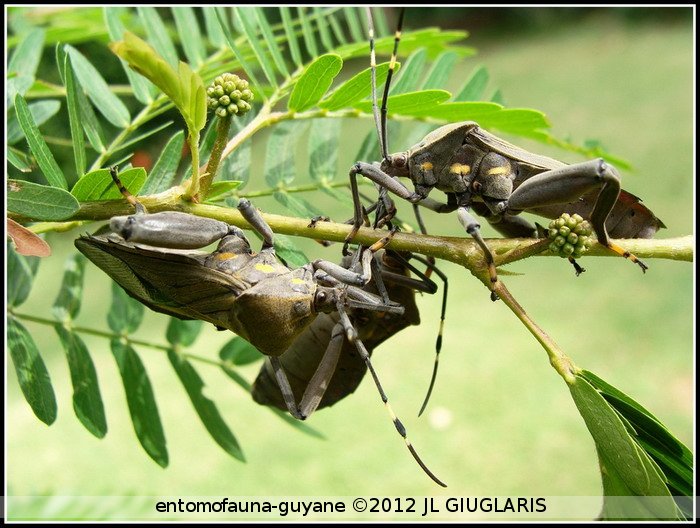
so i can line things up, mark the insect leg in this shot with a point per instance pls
(352, 336)
(313, 394)
(567, 185)
(285, 388)
(257, 222)
(381, 178)
(472, 227)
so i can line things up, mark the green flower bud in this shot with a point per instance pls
(564, 231)
(560, 241)
(229, 95)
(572, 238)
(553, 247)
(567, 249)
(553, 232)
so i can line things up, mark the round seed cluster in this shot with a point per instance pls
(229, 95)
(570, 235)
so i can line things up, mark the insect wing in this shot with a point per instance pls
(628, 219)
(168, 282)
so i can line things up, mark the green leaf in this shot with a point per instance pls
(87, 400)
(298, 206)
(108, 104)
(413, 103)
(206, 409)
(435, 40)
(474, 88)
(125, 313)
(463, 111)
(214, 32)
(18, 159)
(239, 352)
(40, 202)
(88, 119)
(439, 74)
(24, 63)
(314, 82)
(143, 89)
(354, 25)
(183, 333)
(184, 87)
(498, 98)
(98, 184)
(20, 276)
(355, 89)
(190, 36)
(287, 250)
(337, 30)
(624, 465)
(76, 130)
(163, 172)
(516, 120)
(322, 26)
(245, 15)
(621, 503)
(237, 165)
(31, 372)
(280, 167)
(44, 158)
(222, 189)
(270, 41)
(142, 404)
(411, 73)
(674, 458)
(67, 303)
(228, 35)
(41, 112)
(158, 34)
(291, 35)
(324, 142)
(307, 32)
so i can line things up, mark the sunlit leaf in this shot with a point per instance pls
(315, 82)
(98, 184)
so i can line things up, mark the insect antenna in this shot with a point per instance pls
(350, 330)
(114, 172)
(380, 120)
(438, 342)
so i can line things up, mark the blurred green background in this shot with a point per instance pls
(501, 422)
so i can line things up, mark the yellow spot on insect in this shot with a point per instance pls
(460, 168)
(226, 256)
(426, 166)
(297, 281)
(265, 268)
(497, 171)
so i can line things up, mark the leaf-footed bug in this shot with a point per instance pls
(480, 172)
(252, 294)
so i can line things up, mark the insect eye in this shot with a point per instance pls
(476, 186)
(399, 160)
